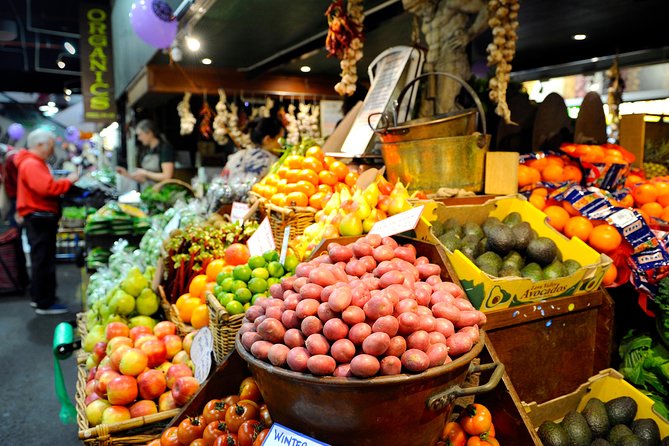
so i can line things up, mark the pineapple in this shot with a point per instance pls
(656, 156)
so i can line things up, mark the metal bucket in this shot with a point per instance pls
(386, 410)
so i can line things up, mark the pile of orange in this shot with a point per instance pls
(307, 180)
(549, 169)
(651, 199)
(604, 154)
(192, 306)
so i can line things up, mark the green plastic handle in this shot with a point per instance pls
(63, 346)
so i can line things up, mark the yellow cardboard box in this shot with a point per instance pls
(489, 293)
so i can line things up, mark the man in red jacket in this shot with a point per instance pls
(38, 205)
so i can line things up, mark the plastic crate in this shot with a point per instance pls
(69, 243)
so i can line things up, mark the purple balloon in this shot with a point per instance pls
(72, 134)
(152, 21)
(16, 131)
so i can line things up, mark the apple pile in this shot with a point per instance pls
(134, 369)
(370, 307)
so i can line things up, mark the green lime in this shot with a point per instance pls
(226, 298)
(291, 262)
(257, 262)
(271, 256)
(242, 272)
(257, 296)
(258, 285)
(275, 269)
(260, 272)
(237, 284)
(234, 307)
(243, 295)
(222, 276)
(272, 280)
(226, 284)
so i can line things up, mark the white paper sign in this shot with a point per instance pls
(238, 211)
(279, 435)
(172, 225)
(200, 353)
(262, 240)
(406, 221)
(284, 245)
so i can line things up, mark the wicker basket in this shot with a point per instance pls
(172, 314)
(131, 432)
(223, 328)
(160, 185)
(297, 217)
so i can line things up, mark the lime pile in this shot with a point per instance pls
(237, 290)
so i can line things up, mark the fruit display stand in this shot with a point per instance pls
(280, 217)
(223, 326)
(172, 313)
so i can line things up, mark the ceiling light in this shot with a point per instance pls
(51, 104)
(206, 61)
(192, 43)
(594, 59)
(305, 68)
(60, 64)
(68, 98)
(67, 91)
(579, 37)
(69, 48)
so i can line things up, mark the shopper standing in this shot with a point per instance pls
(9, 177)
(38, 205)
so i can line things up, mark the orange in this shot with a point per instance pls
(610, 275)
(538, 164)
(293, 175)
(553, 173)
(645, 215)
(665, 214)
(524, 178)
(578, 227)
(308, 175)
(182, 300)
(538, 201)
(604, 238)
(315, 152)
(317, 200)
(339, 169)
(632, 180)
(540, 191)
(554, 160)
(571, 210)
(279, 199)
(653, 209)
(663, 199)
(297, 199)
(328, 160)
(312, 163)
(214, 268)
(324, 187)
(535, 175)
(644, 193)
(197, 286)
(305, 186)
(662, 187)
(628, 201)
(351, 178)
(188, 307)
(327, 177)
(613, 160)
(341, 186)
(572, 173)
(200, 316)
(557, 216)
(282, 171)
(272, 179)
(293, 162)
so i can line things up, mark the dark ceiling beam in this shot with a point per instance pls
(374, 17)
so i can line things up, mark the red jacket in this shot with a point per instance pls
(37, 190)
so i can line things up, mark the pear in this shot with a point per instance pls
(94, 335)
(371, 194)
(398, 205)
(350, 225)
(333, 204)
(147, 302)
(364, 209)
(145, 321)
(375, 216)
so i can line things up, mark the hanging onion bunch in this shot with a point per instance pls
(292, 128)
(344, 41)
(187, 119)
(307, 119)
(220, 129)
(241, 139)
(504, 23)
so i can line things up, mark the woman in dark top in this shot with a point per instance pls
(157, 161)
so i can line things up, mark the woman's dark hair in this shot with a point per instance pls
(147, 125)
(265, 127)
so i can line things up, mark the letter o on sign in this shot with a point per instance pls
(96, 15)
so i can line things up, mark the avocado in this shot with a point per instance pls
(481, 247)
(489, 223)
(514, 259)
(577, 428)
(554, 271)
(617, 432)
(665, 441)
(632, 440)
(452, 224)
(451, 241)
(600, 442)
(470, 251)
(512, 219)
(542, 250)
(501, 240)
(471, 228)
(509, 271)
(595, 414)
(470, 239)
(621, 410)
(571, 266)
(522, 233)
(532, 271)
(437, 228)
(552, 434)
(489, 262)
(648, 430)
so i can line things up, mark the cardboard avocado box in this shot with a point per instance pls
(606, 385)
(488, 293)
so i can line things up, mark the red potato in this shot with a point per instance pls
(409, 322)
(299, 283)
(409, 281)
(311, 325)
(287, 293)
(441, 296)
(383, 267)
(287, 282)
(246, 327)
(276, 291)
(373, 239)
(365, 366)
(293, 338)
(428, 269)
(353, 315)
(359, 332)
(398, 345)
(343, 371)
(422, 310)
(452, 288)
(415, 360)
(292, 301)
(340, 299)
(473, 332)
(260, 349)
(422, 294)
(274, 313)
(459, 344)
(253, 312)
(321, 276)
(391, 295)
(362, 249)
(468, 318)
(289, 319)
(259, 320)
(249, 338)
(335, 329)
(325, 295)
(463, 304)
(418, 340)
(355, 268)
(406, 253)
(437, 354)
(307, 307)
(444, 326)
(339, 253)
(427, 323)
(483, 319)
(321, 259)
(277, 354)
(405, 306)
(338, 272)
(447, 311)
(302, 270)
(390, 365)
(311, 291)
(343, 350)
(422, 260)
(401, 291)
(376, 344)
(271, 302)
(321, 365)
(391, 278)
(433, 280)
(378, 306)
(317, 344)
(297, 359)
(272, 330)
(389, 241)
(325, 313)
(437, 338)
(360, 295)
(369, 263)
(383, 252)
(386, 324)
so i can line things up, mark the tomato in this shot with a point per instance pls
(191, 429)
(249, 390)
(169, 437)
(475, 419)
(237, 254)
(261, 437)
(231, 400)
(197, 442)
(454, 434)
(227, 440)
(482, 441)
(248, 432)
(491, 432)
(212, 431)
(214, 410)
(265, 417)
(244, 410)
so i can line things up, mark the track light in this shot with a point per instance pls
(70, 48)
(192, 43)
(60, 64)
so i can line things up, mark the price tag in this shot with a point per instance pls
(238, 211)
(200, 353)
(172, 224)
(262, 240)
(284, 245)
(406, 221)
(279, 435)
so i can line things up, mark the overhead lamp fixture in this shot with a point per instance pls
(67, 91)
(579, 37)
(594, 59)
(192, 43)
(206, 61)
(68, 98)
(69, 48)
(60, 64)
(51, 104)
(305, 68)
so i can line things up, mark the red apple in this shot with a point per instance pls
(118, 354)
(135, 332)
(90, 386)
(145, 338)
(106, 362)
(164, 367)
(115, 414)
(94, 411)
(117, 342)
(184, 389)
(166, 402)
(177, 371)
(99, 351)
(172, 345)
(164, 328)
(133, 362)
(152, 384)
(188, 341)
(155, 352)
(91, 374)
(101, 369)
(115, 329)
(104, 380)
(181, 358)
(142, 408)
(122, 390)
(92, 397)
